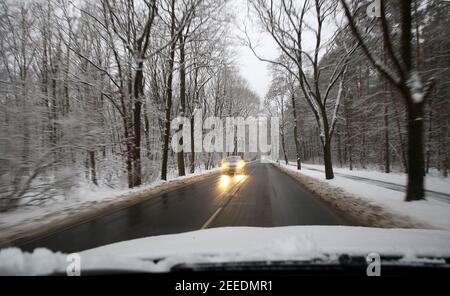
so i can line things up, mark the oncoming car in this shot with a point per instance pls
(233, 165)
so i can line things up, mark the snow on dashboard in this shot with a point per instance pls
(237, 244)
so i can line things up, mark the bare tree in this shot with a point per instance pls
(402, 72)
(285, 21)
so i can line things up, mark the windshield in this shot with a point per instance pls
(233, 158)
(173, 135)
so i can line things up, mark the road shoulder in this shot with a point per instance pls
(49, 223)
(357, 210)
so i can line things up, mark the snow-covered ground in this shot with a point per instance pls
(433, 183)
(240, 244)
(433, 212)
(84, 198)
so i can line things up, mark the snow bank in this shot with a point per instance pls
(428, 213)
(433, 183)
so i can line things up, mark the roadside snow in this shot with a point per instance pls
(84, 199)
(238, 244)
(431, 212)
(84, 196)
(433, 183)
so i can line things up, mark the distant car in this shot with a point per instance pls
(233, 165)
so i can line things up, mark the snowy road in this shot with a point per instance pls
(388, 185)
(263, 197)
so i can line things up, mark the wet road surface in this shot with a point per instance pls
(262, 197)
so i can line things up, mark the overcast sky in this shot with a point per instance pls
(256, 72)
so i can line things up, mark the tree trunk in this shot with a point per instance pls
(180, 155)
(129, 155)
(430, 137)
(415, 153)
(169, 98)
(54, 117)
(147, 133)
(387, 159)
(348, 134)
(283, 145)
(329, 174)
(136, 147)
(195, 103)
(325, 138)
(192, 159)
(283, 133)
(297, 144)
(447, 129)
(92, 167)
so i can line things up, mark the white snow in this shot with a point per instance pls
(40, 262)
(238, 244)
(432, 182)
(431, 211)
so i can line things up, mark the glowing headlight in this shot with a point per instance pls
(241, 164)
(224, 165)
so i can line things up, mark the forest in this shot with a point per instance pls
(88, 89)
(371, 94)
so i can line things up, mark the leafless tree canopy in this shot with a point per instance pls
(377, 89)
(88, 90)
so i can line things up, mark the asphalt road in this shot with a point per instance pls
(262, 197)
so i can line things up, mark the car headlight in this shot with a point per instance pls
(224, 165)
(241, 164)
